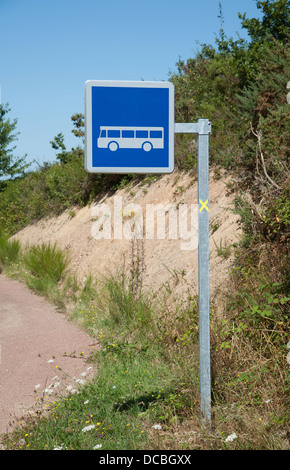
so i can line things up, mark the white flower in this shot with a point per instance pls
(156, 426)
(58, 448)
(88, 428)
(86, 402)
(50, 360)
(98, 446)
(37, 386)
(231, 437)
(80, 381)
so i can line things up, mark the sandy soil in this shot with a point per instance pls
(164, 259)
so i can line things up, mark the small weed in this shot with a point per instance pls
(223, 250)
(214, 225)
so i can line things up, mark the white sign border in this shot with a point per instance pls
(88, 127)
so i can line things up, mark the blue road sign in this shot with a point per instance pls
(129, 127)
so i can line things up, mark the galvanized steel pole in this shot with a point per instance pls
(203, 129)
(203, 271)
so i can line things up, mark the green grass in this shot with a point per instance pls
(9, 251)
(110, 411)
(223, 250)
(148, 374)
(46, 261)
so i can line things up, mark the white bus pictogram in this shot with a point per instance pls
(146, 138)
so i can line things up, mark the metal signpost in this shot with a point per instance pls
(203, 129)
(130, 129)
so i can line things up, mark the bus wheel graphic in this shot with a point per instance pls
(113, 146)
(147, 146)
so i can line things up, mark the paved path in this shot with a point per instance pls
(40, 353)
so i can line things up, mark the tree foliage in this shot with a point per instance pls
(58, 144)
(79, 124)
(64, 156)
(10, 166)
(275, 22)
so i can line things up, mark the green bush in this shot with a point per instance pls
(47, 192)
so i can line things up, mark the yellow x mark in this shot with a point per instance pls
(203, 205)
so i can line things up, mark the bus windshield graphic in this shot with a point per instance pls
(146, 138)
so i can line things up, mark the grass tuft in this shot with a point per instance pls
(47, 262)
(9, 250)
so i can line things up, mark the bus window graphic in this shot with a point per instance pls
(146, 138)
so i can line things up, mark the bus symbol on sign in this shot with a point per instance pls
(129, 127)
(146, 138)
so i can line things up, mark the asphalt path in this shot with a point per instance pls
(43, 356)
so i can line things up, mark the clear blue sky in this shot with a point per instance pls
(49, 48)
